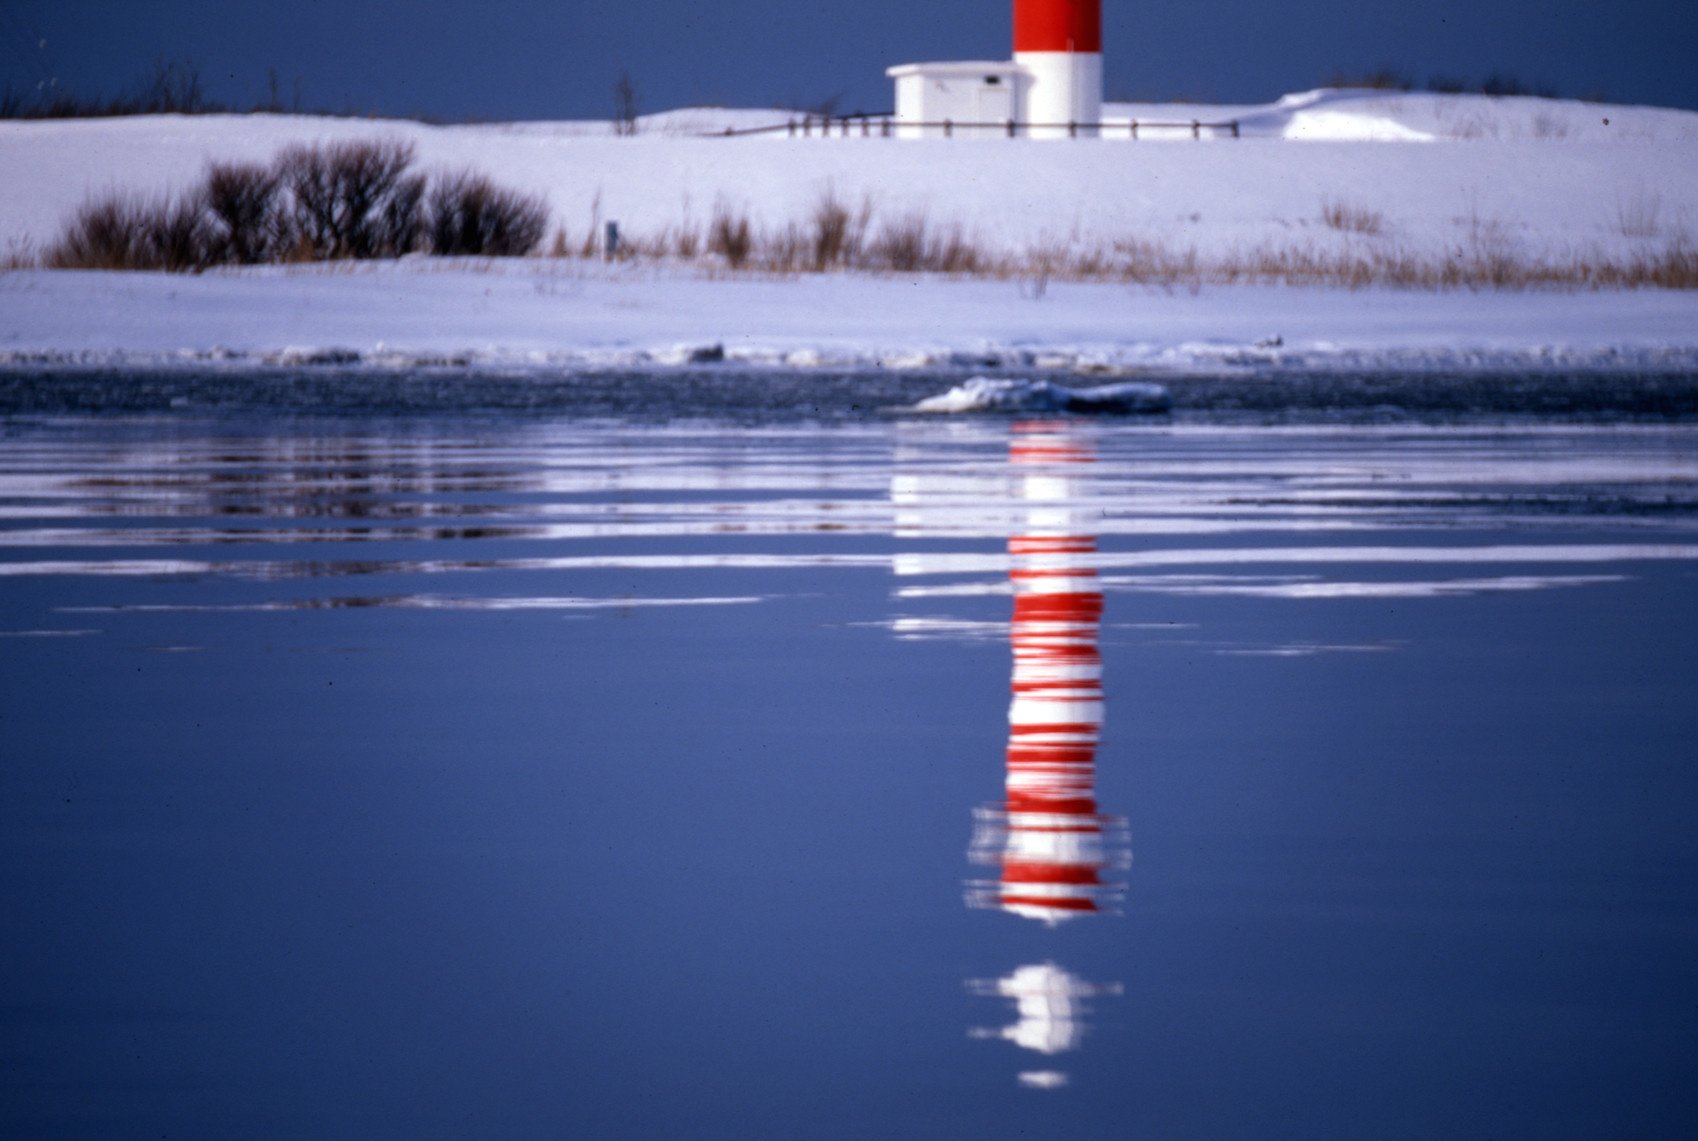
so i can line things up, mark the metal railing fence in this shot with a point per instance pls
(885, 125)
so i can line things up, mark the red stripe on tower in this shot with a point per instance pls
(1058, 26)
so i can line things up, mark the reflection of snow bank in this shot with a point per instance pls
(985, 394)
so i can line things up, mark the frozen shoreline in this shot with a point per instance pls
(577, 315)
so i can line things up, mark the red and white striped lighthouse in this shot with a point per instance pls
(1047, 837)
(1059, 43)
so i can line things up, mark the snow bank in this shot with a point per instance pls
(572, 314)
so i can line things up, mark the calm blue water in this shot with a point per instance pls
(392, 774)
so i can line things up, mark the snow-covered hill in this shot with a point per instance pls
(1544, 177)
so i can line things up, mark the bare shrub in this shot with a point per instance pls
(245, 204)
(352, 199)
(627, 104)
(1351, 219)
(176, 234)
(174, 88)
(401, 220)
(105, 233)
(1380, 79)
(1503, 83)
(730, 236)
(348, 200)
(470, 215)
(123, 232)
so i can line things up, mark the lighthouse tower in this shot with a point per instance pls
(1059, 45)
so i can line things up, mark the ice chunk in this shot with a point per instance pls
(991, 394)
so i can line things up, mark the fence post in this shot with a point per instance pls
(1134, 129)
(1235, 128)
(1072, 129)
(1196, 129)
(1011, 128)
(948, 129)
(884, 128)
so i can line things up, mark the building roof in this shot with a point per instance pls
(955, 67)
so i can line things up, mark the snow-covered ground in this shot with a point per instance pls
(1535, 178)
(575, 314)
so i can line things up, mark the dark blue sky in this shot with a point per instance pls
(529, 59)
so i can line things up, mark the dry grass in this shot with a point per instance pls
(908, 244)
(1352, 219)
(1636, 217)
(731, 236)
(687, 242)
(205, 227)
(1486, 257)
(839, 236)
(19, 255)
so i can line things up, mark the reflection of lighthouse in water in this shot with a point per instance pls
(1048, 839)
(1050, 1009)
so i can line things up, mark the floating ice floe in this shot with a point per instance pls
(988, 394)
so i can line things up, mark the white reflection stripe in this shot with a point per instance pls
(1381, 589)
(110, 567)
(911, 563)
(905, 564)
(413, 602)
(311, 569)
